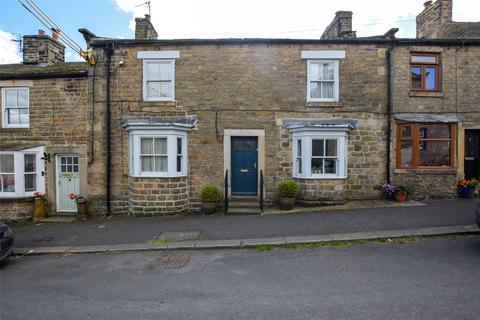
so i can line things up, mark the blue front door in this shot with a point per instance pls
(244, 165)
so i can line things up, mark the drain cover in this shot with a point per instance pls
(172, 261)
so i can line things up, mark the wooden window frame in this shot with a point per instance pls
(414, 138)
(423, 66)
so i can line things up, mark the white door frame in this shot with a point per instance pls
(57, 175)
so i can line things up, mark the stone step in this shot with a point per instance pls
(243, 199)
(242, 211)
(244, 204)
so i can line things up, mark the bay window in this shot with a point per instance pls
(320, 154)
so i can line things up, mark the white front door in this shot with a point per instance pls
(68, 181)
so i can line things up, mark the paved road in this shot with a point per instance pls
(430, 279)
(124, 230)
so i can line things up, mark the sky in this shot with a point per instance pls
(176, 19)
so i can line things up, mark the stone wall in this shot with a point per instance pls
(153, 196)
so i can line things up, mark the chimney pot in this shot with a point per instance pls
(41, 32)
(55, 34)
(427, 4)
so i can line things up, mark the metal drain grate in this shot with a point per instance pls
(172, 261)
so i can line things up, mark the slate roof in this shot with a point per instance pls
(41, 71)
(319, 123)
(460, 30)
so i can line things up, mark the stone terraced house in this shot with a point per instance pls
(156, 120)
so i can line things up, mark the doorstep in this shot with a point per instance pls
(350, 205)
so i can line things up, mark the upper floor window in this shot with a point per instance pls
(21, 172)
(425, 145)
(158, 74)
(323, 75)
(15, 105)
(322, 80)
(158, 80)
(425, 71)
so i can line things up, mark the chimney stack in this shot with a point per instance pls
(144, 29)
(42, 49)
(434, 15)
(340, 27)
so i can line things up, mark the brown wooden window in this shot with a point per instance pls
(425, 71)
(425, 145)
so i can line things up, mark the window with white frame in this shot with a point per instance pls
(323, 84)
(158, 81)
(320, 154)
(15, 107)
(158, 153)
(21, 172)
(158, 74)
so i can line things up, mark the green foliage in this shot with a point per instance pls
(211, 194)
(288, 189)
(264, 248)
(403, 190)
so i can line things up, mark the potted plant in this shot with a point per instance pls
(39, 213)
(210, 197)
(81, 204)
(401, 193)
(388, 190)
(466, 188)
(288, 191)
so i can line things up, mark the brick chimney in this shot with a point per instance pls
(340, 27)
(42, 49)
(433, 16)
(144, 28)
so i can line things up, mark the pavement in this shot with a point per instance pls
(430, 278)
(435, 217)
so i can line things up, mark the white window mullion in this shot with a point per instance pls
(172, 155)
(19, 174)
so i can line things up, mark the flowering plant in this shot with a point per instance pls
(403, 190)
(75, 197)
(388, 189)
(467, 184)
(38, 194)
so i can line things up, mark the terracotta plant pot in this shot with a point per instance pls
(286, 203)
(208, 207)
(466, 193)
(39, 213)
(400, 197)
(82, 208)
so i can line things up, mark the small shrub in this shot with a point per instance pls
(211, 194)
(403, 190)
(288, 189)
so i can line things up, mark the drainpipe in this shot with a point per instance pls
(389, 108)
(108, 53)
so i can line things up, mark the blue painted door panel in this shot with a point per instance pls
(244, 165)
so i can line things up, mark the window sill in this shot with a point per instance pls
(320, 178)
(159, 176)
(161, 103)
(17, 199)
(15, 129)
(323, 104)
(426, 94)
(427, 171)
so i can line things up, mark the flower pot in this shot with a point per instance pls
(208, 207)
(39, 212)
(400, 197)
(286, 203)
(466, 193)
(82, 208)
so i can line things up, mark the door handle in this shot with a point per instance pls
(255, 165)
(243, 170)
(469, 158)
